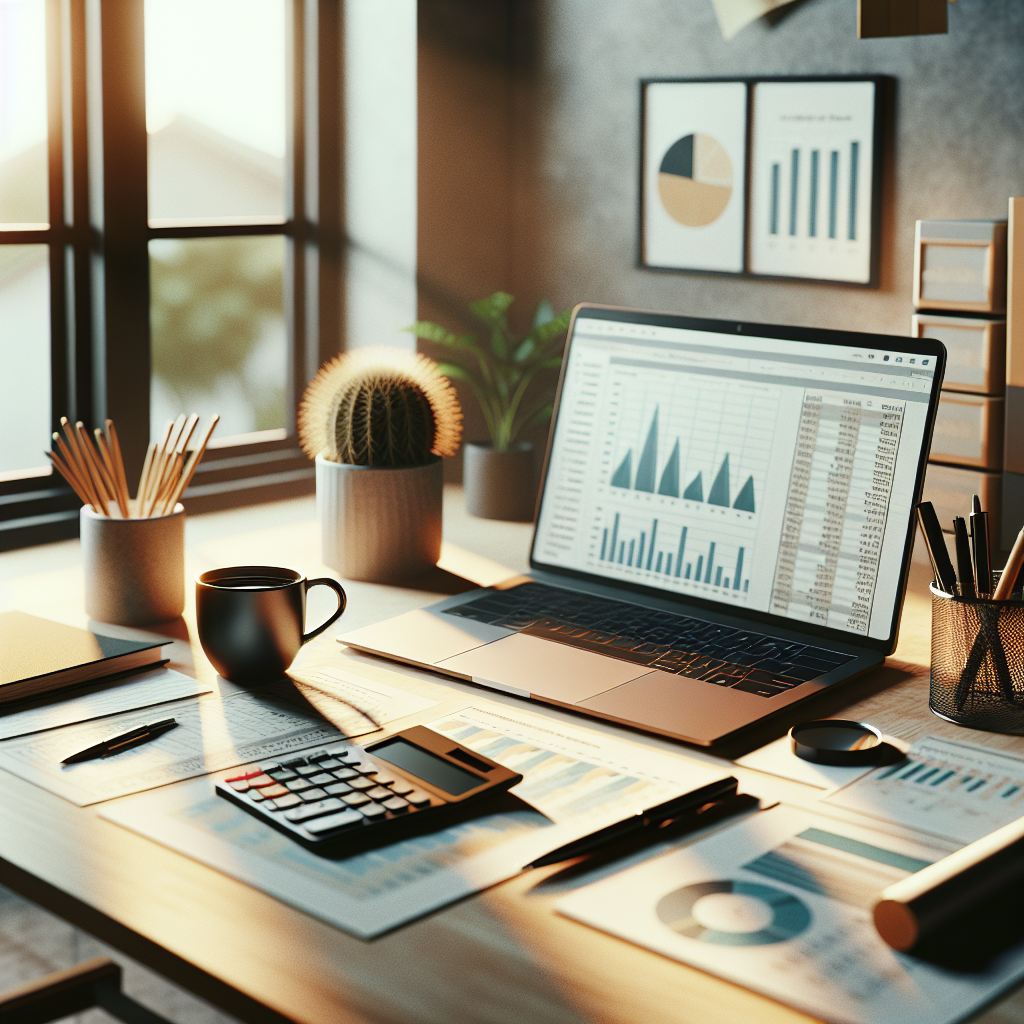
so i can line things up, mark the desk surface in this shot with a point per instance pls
(501, 956)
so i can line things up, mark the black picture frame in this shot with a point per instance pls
(882, 88)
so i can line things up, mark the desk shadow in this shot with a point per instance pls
(174, 629)
(440, 581)
(832, 702)
(995, 927)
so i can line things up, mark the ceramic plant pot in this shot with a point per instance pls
(500, 485)
(379, 525)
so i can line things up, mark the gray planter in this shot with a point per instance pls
(500, 485)
(134, 568)
(379, 525)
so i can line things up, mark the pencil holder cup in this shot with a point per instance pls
(134, 568)
(977, 675)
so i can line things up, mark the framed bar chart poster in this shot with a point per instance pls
(815, 179)
(693, 178)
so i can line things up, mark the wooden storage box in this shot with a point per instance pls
(976, 350)
(969, 431)
(960, 264)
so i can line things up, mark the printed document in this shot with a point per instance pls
(781, 903)
(143, 690)
(946, 788)
(579, 778)
(369, 701)
(211, 734)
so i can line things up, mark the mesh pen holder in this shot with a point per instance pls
(977, 675)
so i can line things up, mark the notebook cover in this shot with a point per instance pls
(32, 649)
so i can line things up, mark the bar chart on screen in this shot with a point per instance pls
(711, 554)
(684, 461)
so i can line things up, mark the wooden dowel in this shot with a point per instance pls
(193, 462)
(186, 434)
(1010, 570)
(156, 465)
(71, 476)
(77, 460)
(92, 460)
(113, 479)
(115, 451)
(160, 506)
(144, 477)
(68, 462)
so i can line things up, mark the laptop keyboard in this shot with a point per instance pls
(722, 655)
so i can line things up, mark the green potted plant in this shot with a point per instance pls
(378, 422)
(499, 477)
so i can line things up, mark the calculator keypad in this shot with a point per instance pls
(323, 794)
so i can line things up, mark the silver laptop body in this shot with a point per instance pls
(724, 525)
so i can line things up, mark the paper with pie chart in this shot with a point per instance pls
(781, 903)
(694, 175)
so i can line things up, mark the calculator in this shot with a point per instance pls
(344, 798)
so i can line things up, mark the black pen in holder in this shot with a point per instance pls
(977, 673)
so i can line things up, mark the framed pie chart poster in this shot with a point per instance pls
(693, 193)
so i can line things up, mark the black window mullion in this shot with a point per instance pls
(118, 213)
(295, 208)
(55, 73)
(324, 183)
(78, 232)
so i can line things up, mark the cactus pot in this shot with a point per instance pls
(500, 485)
(379, 525)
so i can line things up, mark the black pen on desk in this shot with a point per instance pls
(945, 576)
(982, 556)
(114, 745)
(964, 566)
(651, 820)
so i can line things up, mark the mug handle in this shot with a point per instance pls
(342, 602)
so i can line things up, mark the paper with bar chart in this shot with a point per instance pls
(577, 780)
(951, 789)
(812, 170)
(684, 462)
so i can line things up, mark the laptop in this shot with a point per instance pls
(724, 526)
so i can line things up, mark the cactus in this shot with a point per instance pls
(385, 408)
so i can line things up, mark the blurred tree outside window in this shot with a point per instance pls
(218, 331)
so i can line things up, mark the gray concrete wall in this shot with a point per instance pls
(956, 144)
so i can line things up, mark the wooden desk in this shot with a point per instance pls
(502, 956)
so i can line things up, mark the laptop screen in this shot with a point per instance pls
(722, 462)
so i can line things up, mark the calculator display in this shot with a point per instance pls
(428, 767)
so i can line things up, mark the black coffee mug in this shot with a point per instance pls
(251, 619)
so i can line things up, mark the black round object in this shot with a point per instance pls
(837, 742)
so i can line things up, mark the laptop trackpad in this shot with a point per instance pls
(542, 668)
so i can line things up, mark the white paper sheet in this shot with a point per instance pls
(147, 689)
(372, 702)
(212, 734)
(946, 788)
(735, 15)
(780, 903)
(778, 759)
(581, 778)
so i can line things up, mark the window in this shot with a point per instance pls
(170, 235)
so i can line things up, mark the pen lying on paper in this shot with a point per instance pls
(643, 821)
(114, 745)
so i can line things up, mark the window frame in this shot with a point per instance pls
(99, 235)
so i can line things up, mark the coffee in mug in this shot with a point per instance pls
(252, 618)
